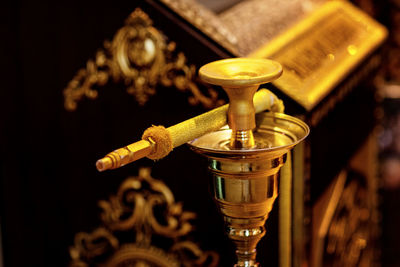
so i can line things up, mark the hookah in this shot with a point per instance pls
(244, 158)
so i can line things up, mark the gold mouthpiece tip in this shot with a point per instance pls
(103, 164)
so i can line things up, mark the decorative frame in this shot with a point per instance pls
(139, 56)
(142, 213)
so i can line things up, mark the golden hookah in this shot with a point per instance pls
(244, 159)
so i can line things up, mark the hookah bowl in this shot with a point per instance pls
(245, 158)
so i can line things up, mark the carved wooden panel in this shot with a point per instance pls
(143, 209)
(142, 58)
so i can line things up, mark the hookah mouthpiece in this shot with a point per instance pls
(240, 78)
(159, 141)
(245, 160)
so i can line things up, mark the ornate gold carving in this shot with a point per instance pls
(344, 227)
(319, 52)
(142, 209)
(140, 57)
(349, 232)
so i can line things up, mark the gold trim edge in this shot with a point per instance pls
(364, 36)
(141, 57)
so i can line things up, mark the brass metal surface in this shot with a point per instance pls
(125, 155)
(275, 134)
(240, 78)
(245, 183)
(240, 72)
(141, 57)
(245, 176)
(131, 213)
(300, 216)
(184, 132)
(318, 52)
(285, 213)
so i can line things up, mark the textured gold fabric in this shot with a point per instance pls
(162, 139)
(166, 139)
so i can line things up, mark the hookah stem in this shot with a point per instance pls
(158, 141)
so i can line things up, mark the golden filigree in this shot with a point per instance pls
(143, 207)
(133, 208)
(140, 57)
(349, 233)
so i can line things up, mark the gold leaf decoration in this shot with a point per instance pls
(143, 208)
(349, 237)
(141, 58)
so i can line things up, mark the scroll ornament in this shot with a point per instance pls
(141, 58)
(142, 213)
(351, 233)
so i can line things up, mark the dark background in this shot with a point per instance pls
(49, 184)
(49, 187)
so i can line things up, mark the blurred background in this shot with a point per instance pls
(49, 187)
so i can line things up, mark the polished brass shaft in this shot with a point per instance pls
(241, 115)
(245, 173)
(245, 191)
(125, 155)
(184, 132)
